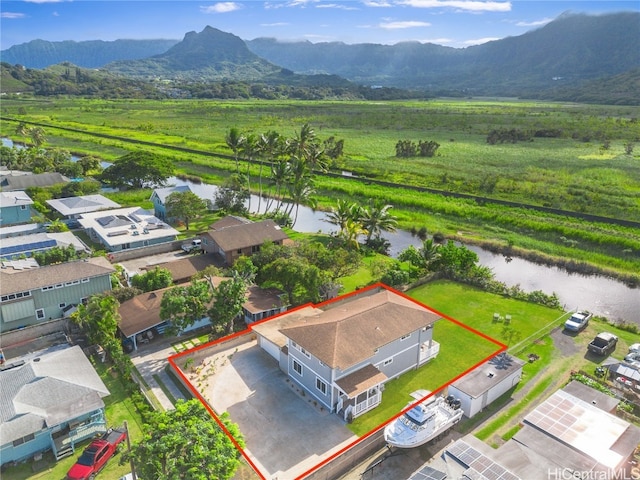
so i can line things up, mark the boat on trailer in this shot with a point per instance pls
(428, 419)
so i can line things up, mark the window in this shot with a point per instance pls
(255, 249)
(84, 300)
(25, 439)
(40, 313)
(297, 367)
(320, 385)
(23, 207)
(59, 285)
(44, 289)
(85, 280)
(404, 337)
(304, 352)
(388, 361)
(62, 305)
(74, 282)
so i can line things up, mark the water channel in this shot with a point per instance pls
(601, 295)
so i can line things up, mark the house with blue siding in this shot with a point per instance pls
(125, 228)
(343, 351)
(159, 199)
(49, 400)
(15, 208)
(29, 296)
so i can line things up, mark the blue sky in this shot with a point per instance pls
(455, 23)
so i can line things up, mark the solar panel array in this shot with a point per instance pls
(558, 416)
(428, 473)
(479, 466)
(26, 247)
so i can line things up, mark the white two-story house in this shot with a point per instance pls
(343, 351)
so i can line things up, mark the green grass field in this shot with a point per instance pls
(586, 168)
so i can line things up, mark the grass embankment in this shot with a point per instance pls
(575, 171)
(119, 407)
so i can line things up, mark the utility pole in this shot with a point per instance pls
(133, 467)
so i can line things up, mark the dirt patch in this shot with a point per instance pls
(564, 342)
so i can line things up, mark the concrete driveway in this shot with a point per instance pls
(285, 434)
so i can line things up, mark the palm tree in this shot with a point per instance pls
(280, 173)
(234, 140)
(249, 147)
(267, 145)
(376, 219)
(340, 215)
(352, 230)
(37, 136)
(300, 191)
(429, 252)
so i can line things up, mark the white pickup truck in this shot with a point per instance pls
(578, 321)
(193, 245)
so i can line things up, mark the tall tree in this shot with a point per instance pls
(137, 169)
(152, 280)
(99, 318)
(229, 296)
(185, 206)
(234, 141)
(342, 213)
(182, 306)
(187, 444)
(249, 148)
(376, 218)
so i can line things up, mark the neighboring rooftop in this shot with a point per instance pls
(484, 377)
(22, 182)
(124, 225)
(70, 206)
(231, 233)
(182, 270)
(141, 312)
(13, 199)
(163, 193)
(13, 280)
(28, 244)
(45, 389)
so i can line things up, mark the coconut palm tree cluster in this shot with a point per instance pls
(356, 222)
(290, 165)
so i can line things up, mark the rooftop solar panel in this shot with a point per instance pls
(428, 473)
(479, 466)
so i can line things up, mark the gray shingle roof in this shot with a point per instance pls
(23, 182)
(19, 281)
(50, 388)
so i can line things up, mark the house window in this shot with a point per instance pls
(85, 280)
(40, 313)
(23, 207)
(25, 439)
(44, 289)
(239, 252)
(404, 337)
(84, 300)
(297, 367)
(255, 249)
(62, 305)
(320, 385)
(59, 285)
(304, 352)
(388, 361)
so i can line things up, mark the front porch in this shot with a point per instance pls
(428, 351)
(64, 441)
(360, 392)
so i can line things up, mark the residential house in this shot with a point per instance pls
(572, 434)
(15, 208)
(159, 199)
(18, 230)
(263, 303)
(34, 295)
(38, 242)
(231, 237)
(343, 351)
(10, 182)
(49, 400)
(72, 207)
(183, 269)
(484, 384)
(126, 228)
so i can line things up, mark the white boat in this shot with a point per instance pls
(428, 419)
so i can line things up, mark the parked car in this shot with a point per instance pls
(193, 245)
(96, 455)
(603, 344)
(578, 321)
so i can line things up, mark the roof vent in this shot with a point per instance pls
(490, 375)
(37, 359)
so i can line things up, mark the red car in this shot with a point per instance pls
(95, 456)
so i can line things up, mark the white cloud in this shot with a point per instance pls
(480, 41)
(12, 15)
(55, 14)
(277, 24)
(377, 3)
(535, 23)
(466, 5)
(437, 41)
(221, 7)
(336, 6)
(405, 24)
(44, 1)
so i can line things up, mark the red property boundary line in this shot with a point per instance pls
(173, 358)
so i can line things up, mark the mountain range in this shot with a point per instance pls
(565, 53)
